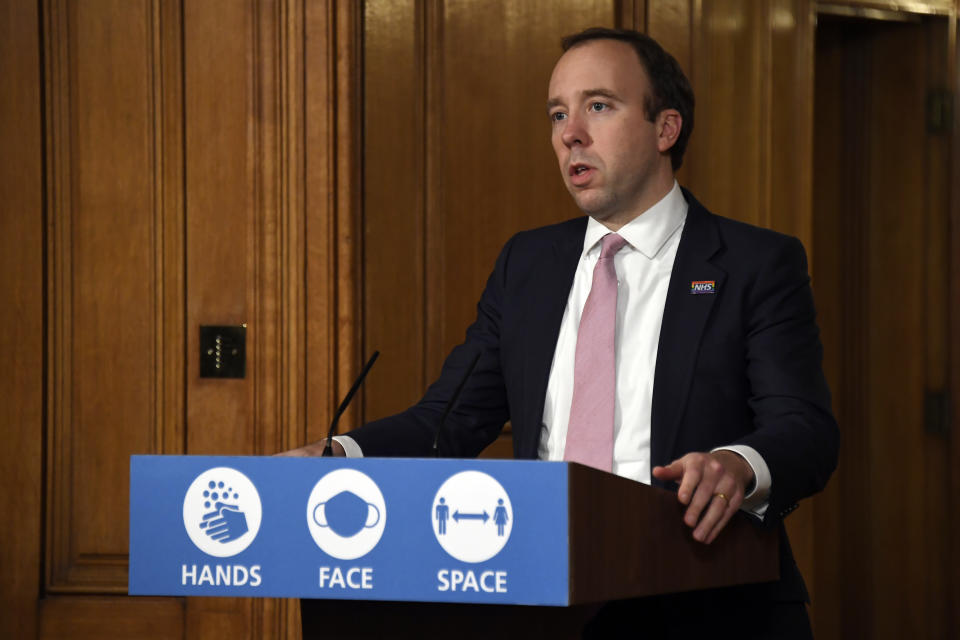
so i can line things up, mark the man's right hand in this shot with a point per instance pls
(314, 450)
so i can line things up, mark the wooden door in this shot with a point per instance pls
(882, 197)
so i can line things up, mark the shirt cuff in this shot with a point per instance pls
(350, 446)
(757, 501)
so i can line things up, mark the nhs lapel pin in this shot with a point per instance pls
(700, 287)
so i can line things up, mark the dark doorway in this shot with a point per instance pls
(881, 221)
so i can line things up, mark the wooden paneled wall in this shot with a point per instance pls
(108, 284)
(339, 176)
(457, 159)
(750, 153)
(177, 164)
(21, 317)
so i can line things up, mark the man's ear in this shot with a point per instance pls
(669, 125)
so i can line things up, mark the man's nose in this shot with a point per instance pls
(575, 133)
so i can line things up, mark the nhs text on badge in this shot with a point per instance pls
(698, 287)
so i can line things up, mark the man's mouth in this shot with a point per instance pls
(580, 174)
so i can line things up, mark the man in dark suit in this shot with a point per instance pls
(649, 338)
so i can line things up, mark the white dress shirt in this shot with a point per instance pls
(643, 269)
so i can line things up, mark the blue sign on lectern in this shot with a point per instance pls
(481, 531)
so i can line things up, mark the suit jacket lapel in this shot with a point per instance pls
(684, 319)
(546, 300)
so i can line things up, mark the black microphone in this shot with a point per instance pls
(453, 401)
(328, 450)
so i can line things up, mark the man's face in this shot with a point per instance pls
(610, 155)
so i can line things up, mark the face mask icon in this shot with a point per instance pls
(346, 514)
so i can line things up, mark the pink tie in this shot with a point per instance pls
(590, 430)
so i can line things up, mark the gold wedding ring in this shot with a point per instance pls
(722, 495)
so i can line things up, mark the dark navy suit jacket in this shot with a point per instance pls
(741, 365)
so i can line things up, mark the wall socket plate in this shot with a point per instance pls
(223, 351)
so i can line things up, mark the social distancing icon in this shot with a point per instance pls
(472, 516)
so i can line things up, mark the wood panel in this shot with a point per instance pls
(394, 166)
(332, 225)
(291, 201)
(333, 221)
(21, 316)
(895, 180)
(263, 224)
(750, 64)
(223, 184)
(838, 291)
(751, 67)
(881, 189)
(346, 51)
(728, 152)
(135, 131)
(790, 75)
(169, 195)
(457, 160)
(112, 304)
(924, 534)
(937, 576)
(72, 617)
(669, 22)
(178, 192)
(632, 14)
(226, 127)
(881, 9)
(895, 386)
(491, 170)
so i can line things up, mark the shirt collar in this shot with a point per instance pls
(648, 232)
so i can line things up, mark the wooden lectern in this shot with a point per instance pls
(626, 540)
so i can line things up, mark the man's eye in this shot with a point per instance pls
(597, 106)
(558, 116)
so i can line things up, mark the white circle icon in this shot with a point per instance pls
(222, 512)
(472, 516)
(346, 514)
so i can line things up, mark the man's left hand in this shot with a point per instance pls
(314, 450)
(712, 485)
